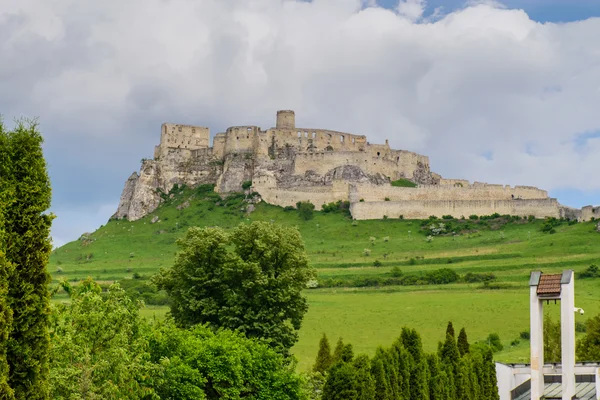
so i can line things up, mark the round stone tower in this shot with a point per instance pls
(286, 119)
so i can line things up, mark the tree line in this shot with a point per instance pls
(405, 372)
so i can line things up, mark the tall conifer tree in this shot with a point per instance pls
(450, 330)
(463, 343)
(5, 267)
(337, 352)
(28, 246)
(364, 378)
(323, 361)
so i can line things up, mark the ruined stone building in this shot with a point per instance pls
(287, 164)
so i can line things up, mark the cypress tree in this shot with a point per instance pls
(491, 385)
(28, 246)
(347, 353)
(437, 379)
(382, 384)
(5, 269)
(341, 383)
(419, 388)
(450, 330)
(337, 352)
(364, 379)
(323, 361)
(463, 343)
(403, 364)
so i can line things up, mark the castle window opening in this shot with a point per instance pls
(342, 139)
(314, 135)
(353, 141)
(299, 134)
(249, 129)
(378, 154)
(305, 134)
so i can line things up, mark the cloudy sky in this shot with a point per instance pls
(503, 92)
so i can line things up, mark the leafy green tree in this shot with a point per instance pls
(249, 280)
(552, 344)
(341, 383)
(198, 363)
(305, 209)
(463, 343)
(99, 346)
(588, 347)
(323, 361)
(26, 242)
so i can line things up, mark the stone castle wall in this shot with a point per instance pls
(176, 136)
(371, 193)
(422, 209)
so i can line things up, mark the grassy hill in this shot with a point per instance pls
(359, 262)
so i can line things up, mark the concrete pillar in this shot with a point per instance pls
(536, 332)
(597, 383)
(567, 331)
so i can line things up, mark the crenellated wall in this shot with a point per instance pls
(422, 209)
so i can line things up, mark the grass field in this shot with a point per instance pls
(365, 317)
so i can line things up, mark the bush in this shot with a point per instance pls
(305, 209)
(412, 261)
(524, 335)
(580, 327)
(403, 183)
(246, 185)
(387, 199)
(366, 252)
(515, 342)
(447, 217)
(377, 263)
(590, 272)
(343, 206)
(442, 276)
(396, 272)
(471, 277)
(473, 217)
(493, 341)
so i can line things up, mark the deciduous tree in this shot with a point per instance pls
(249, 280)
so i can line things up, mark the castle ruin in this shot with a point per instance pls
(287, 164)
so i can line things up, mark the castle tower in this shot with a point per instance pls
(286, 119)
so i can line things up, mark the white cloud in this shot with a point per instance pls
(479, 80)
(411, 9)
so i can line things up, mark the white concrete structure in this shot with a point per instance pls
(565, 380)
(546, 287)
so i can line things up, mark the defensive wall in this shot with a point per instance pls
(422, 209)
(589, 212)
(370, 193)
(317, 195)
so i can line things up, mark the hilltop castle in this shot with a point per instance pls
(287, 164)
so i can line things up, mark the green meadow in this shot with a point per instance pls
(373, 315)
